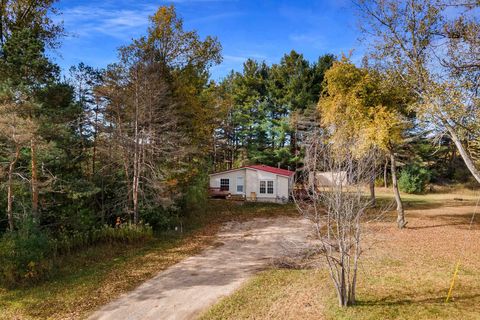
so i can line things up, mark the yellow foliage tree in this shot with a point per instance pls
(362, 106)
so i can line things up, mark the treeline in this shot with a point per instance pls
(114, 154)
(103, 155)
(103, 143)
(136, 140)
(266, 111)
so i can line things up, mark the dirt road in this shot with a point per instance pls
(186, 289)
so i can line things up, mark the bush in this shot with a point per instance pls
(192, 205)
(195, 201)
(161, 219)
(24, 256)
(125, 233)
(29, 254)
(414, 179)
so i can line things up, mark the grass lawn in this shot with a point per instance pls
(405, 274)
(97, 275)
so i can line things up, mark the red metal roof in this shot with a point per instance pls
(262, 167)
(274, 170)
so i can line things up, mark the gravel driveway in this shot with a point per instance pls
(186, 289)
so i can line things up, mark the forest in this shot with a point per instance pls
(121, 154)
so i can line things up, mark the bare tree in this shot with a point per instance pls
(155, 110)
(433, 47)
(337, 209)
(15, 133)
(144, 128)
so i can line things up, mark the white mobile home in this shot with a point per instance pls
(329, 178)
(255, 183)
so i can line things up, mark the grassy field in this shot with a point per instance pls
(405, 274)
(97, 275)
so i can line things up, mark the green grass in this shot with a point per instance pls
(96, 275)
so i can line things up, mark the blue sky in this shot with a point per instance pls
(263, 30)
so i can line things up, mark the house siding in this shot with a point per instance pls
(232, 176)
(283, 187)
(251, 180)
(252, 183)
(267, 176)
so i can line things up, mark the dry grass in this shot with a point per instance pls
(455, 197)
(97, 275)
(404, 275)
(275, 294)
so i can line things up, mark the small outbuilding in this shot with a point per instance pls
(254, 183)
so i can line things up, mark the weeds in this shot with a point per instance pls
(29, 255)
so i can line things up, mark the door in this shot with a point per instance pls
(240, 185)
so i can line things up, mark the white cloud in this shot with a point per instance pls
(213, 17)
(119, 23)
(111, 19)
(317, 41)
(232, 58)
(244, 56)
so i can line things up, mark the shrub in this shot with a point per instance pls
(413, 179)
(161, 219)
(191, 207)
(28, 254)
(24, 255)
(125, 233)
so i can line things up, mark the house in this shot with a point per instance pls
(329, 178)
(254, 183)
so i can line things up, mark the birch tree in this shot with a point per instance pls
(433, 47)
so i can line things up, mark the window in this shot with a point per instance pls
(262, 186)
(270, 187)
(266, 187)
(224, 184)
(240, 184)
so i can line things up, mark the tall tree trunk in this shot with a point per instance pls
(373, 177)
(400, 212)
(232, 155)
(2, 18)
(95, 133)
(102, 202)
(463, 153)
(34, 181)
(125, 150)
(136, 161)
(11, 168)
(94, 155)
(373, 200)
(293, 142)
(214, 153)
(385, 173)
